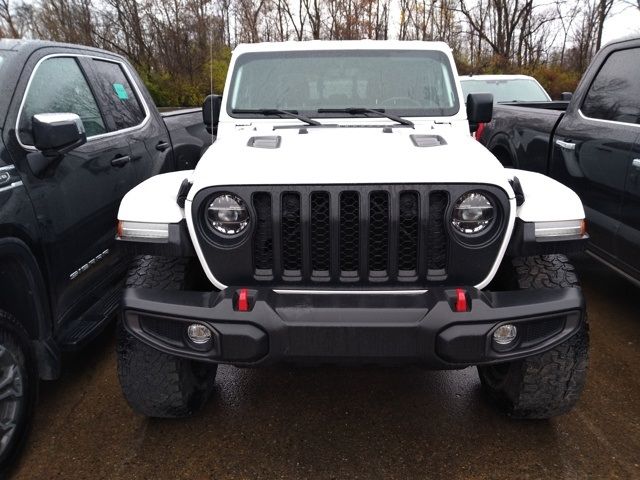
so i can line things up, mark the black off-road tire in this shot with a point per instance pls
(156, 384)
(548, 384)
(18, 387)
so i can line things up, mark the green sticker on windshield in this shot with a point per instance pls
(120, 91)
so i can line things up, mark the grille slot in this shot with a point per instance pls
(437, 236)
(168, 330)
(349, 234)
(378, 233)
(408, 222)
(320, 228)
(538, 331)
(291, 234)
(263, 237)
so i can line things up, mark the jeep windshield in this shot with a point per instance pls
(331, 83)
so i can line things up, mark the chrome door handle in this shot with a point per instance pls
(566, 145)
(636, 163)
(162, 146)
(120, 161)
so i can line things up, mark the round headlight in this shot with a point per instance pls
(228, 214)
(472, 213)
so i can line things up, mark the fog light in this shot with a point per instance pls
(199, 334)
(505, 334)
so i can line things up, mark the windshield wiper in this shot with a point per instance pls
(275, 111)
(360, 110)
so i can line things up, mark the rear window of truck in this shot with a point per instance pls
(124, 105)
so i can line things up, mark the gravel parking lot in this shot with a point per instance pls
(362, 423)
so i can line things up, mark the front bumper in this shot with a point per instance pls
(332, 327)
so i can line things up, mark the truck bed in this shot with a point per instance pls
(521, 131)
(188, 135)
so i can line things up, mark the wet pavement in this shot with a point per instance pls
(360, 423)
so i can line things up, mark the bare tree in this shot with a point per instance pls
(603, 11)
(248, 16)
(6, 15)
(566, 17)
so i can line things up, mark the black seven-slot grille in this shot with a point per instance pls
(370, 243)
(376, 236)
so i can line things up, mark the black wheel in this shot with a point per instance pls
(550, 383)
(18, 388)
(154, 383)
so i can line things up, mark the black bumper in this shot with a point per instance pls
(421, 328)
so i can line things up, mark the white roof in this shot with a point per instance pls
(495, 77)
(341, 45)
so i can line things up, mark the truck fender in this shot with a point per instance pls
(500, 145)
(154, 200)
(24, 295)
(545, 199)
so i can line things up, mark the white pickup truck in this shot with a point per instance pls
(345, 215)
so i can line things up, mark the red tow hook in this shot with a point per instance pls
(462, 305)
(243, 300)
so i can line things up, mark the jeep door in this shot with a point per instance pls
(592, 146)
(76, 199)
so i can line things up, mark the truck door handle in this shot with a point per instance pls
(566, 145)
(120, 161)
(162, 146)
(636, 163)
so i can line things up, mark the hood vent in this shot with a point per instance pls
(427, 140)
(264, 142)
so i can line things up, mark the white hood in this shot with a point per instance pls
(346, 156)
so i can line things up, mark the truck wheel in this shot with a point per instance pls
(550, 383)
(154, 383)
(18, 388)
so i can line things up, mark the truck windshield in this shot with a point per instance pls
(402, 82)
(512, 90)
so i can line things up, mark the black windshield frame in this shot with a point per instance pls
(438, 55)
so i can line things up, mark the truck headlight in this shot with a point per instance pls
(473, 212)
(227, 214)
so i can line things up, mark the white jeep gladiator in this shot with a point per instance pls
(345, 215)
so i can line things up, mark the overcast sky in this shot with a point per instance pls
(623, 22)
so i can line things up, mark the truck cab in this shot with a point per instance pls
(78, 130)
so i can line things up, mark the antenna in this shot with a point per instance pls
(211, 63)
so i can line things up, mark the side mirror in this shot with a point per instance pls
(211, 112)
(479, 109)
(55, 134)
(566, 96)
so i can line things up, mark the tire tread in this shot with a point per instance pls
(155, 383)
(550, 383)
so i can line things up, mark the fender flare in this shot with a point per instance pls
(32, 310)
(502, 140)
(39, 325)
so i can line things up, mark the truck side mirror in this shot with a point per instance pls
(211, 112)
(479, 109)
(566, 96)
(55, 134)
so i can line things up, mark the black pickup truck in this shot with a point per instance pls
(78, 130)
(591, 144)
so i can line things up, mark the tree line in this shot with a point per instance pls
(181, 48)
